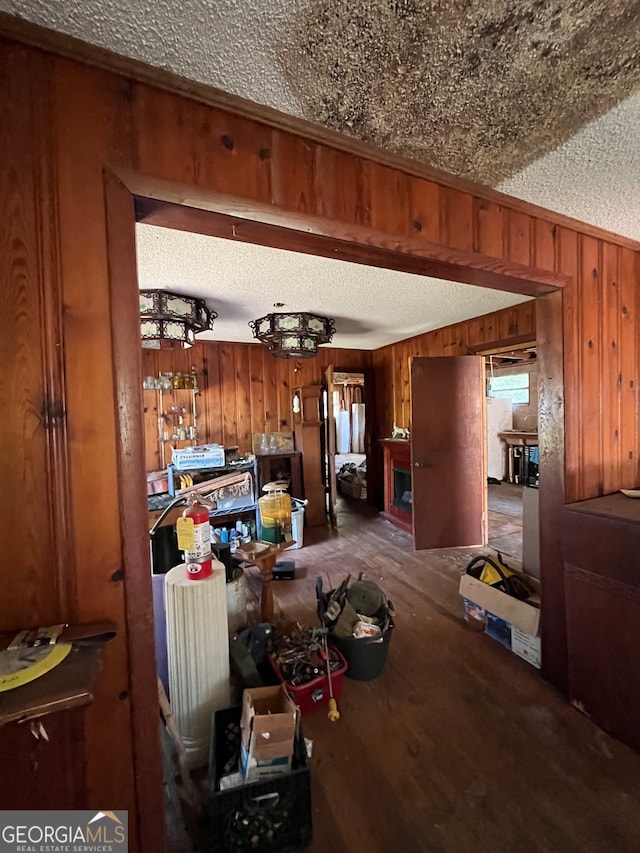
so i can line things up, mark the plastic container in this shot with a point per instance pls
(297, 527)
(201, 456)
(272, 814)
(314, 693)
(365, 656)
(275, 513)
(236, 601)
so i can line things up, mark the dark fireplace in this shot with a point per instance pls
(402, 489)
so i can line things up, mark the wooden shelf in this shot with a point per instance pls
(270, 462)
(68, 685)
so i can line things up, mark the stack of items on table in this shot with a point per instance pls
(260, 785)
(352, 480)
(360, 622)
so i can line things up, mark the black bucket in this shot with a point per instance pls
(164, 550)
(222, 552)
(365, 656)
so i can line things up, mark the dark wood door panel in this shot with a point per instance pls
(447, 461)
(44, 774)
(603, 630)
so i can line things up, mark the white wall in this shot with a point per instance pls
(499, 419)
(524, 416)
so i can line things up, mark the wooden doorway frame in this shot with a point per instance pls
(131, 197)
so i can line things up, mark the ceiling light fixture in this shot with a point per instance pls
(171, 319)
(293, 334)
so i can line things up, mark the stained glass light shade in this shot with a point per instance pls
(293, 335)
(171, 319)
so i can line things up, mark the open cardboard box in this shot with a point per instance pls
(514, 623)
(269, 725)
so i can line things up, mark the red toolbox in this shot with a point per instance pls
(315, 693)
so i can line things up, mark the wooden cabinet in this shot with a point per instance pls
(283, 465)
(398, 506)
(602, 593)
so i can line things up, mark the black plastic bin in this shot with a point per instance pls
(269, 815)
(165, 553)
(365, 656)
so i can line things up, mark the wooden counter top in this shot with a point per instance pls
(614, 506)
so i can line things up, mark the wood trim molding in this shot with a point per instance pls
(331, 239)
(603, 582)
(55, 403)
(17, 29)
(503, 345)
(553, 617)
(125, 336)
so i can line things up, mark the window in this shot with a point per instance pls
(515, 386)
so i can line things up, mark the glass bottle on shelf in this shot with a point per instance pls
(164, 382)
(177, 381)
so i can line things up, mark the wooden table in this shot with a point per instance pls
(265, 560)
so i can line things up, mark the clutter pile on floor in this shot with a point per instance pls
(259, 772)
(352, 480)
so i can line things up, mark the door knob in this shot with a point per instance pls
(418, 464)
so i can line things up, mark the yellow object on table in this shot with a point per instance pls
(275, 513)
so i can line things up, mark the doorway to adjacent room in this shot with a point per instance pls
(511, 437)
(139, 198)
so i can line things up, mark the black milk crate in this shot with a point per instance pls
(268, 815)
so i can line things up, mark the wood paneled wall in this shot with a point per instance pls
(601, 356)
(391, 363)
(244, 389)
(63, 124)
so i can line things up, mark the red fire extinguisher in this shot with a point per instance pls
(194, 538)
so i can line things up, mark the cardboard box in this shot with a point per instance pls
(200, 456)
(269, 725)
(353, 489)
(513, 623)
(526, 646)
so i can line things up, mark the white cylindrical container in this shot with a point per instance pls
(297, 526)
(198, 655)
(237, 602)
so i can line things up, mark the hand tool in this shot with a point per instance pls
(333, 714)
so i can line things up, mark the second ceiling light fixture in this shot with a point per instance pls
(293, 334)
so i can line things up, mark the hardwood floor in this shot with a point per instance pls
(459, 745)
(505, 520)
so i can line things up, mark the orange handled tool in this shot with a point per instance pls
(333, 714)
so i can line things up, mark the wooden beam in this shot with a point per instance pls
(553, 624)
(330, 239)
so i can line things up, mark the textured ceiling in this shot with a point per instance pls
(486, 88)
(595, 177)
(372, 307)
(479, 88)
